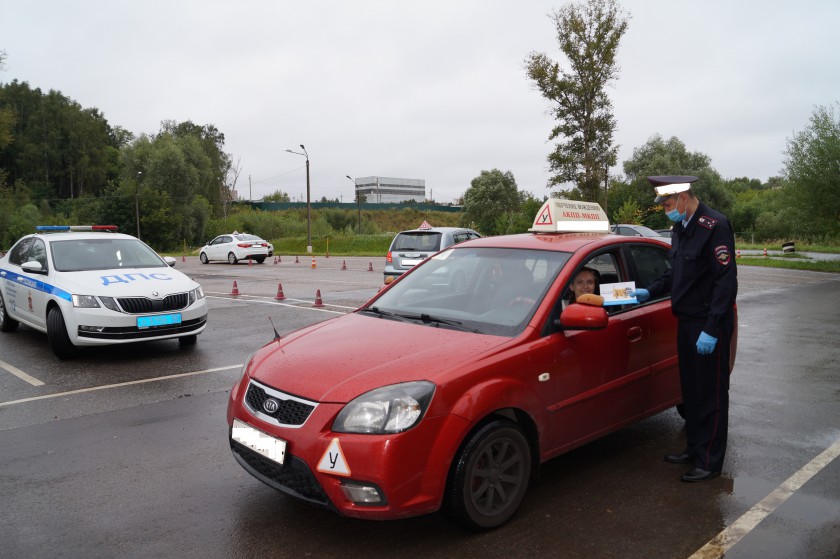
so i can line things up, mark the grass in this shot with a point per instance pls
(791, 264)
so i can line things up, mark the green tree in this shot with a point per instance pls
(588, 34)
(812, 167)
(277, 196)
(491, 202)
(660, 157)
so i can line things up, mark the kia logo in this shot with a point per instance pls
(271, 405)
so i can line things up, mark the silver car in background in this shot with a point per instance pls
(411, 247)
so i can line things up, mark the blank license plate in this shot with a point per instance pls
(263, 443)
(158, 320)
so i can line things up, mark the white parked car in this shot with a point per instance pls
(96, 287)
(234, 247)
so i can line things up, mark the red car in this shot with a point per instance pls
(452, 385)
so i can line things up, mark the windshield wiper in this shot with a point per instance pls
(427, 318)
(389, 314)
(423, 317)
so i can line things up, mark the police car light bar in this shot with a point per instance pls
(570, 216)
(76, 228)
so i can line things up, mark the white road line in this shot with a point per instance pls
(20, 374)
(118, 385)
(723, 542)
(237, 298)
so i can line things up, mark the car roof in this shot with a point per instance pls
(564, 242)
(437, 230)
(80, 235)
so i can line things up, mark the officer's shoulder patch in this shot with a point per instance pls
(722, 254)
(707, 222)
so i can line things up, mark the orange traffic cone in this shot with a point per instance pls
(313, 263)
(765, 252)
(738, 255)
(296, 259)
(343, 264)
(318, 302)
(184, 258)
(280, 295)
(370, 266)
(275, 260)
(235, 291)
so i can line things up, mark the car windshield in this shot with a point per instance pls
(483, 290)
(103, 254)
(419, 241)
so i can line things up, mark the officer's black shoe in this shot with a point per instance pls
(699, 474)
(682, 458)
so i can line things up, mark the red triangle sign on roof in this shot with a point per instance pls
(425, 225)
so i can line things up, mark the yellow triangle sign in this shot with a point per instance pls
(333, 462)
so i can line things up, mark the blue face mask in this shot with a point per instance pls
(675, 215)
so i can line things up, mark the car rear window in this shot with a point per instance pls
(421, 241)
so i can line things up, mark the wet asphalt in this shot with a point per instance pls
(109, 459)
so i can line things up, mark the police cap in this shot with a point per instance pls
(670, 184)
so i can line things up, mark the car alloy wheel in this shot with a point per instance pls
(203, 258)
(489, 476)
(232, 258)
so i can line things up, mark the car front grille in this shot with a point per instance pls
(293, 477)
(135, 333)
(144, 305)
(291, 411)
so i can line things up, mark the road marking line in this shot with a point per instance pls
(723, 542)
(20, 374)
(118, 385)
(281, 304)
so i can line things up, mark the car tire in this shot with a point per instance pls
(203, 258)
(7, 323)
(232, 258)
(260, 259)
(57, 335)
(489, 476)
(186, 341)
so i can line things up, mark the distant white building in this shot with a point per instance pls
(388, 190)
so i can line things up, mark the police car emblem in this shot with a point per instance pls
(722, 254)
(271, 405)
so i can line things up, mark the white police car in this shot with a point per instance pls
(87, 286)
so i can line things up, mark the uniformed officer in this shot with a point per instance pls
(703, 284)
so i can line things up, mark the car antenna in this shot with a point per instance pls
(276, 335)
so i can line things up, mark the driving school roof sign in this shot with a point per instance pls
(570, 216)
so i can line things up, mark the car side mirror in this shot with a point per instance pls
(169, 261)
(583, 317)
(33, 267)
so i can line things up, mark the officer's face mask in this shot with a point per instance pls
(675, 215)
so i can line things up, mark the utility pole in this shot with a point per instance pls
(250, 196)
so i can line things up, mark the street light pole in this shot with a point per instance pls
(358, 203)
(308, 203)
(137, 201)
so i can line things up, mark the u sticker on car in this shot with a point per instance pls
(333, 462)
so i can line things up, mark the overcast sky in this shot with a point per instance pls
(431, 89)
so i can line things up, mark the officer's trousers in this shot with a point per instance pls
(704, 380)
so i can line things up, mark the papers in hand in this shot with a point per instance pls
(616, 293)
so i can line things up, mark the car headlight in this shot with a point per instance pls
(196, 294)
(85, 301)
(390, 409)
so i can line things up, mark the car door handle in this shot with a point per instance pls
(634, 334)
